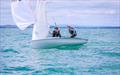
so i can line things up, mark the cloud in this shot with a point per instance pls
(86, 6)
(86, 12)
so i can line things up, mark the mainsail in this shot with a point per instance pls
(41, 28)
(22, 13)
(24, 16)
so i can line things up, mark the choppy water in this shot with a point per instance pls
(100, 56)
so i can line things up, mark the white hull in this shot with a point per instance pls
(58, 42)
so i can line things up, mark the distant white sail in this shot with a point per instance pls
(22, 13)
(41, 28)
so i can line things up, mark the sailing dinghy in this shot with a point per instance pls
(59, 43)
(24, 16)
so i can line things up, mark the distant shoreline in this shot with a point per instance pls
(14, 26)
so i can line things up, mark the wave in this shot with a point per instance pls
(9, 50)
(56, 71)
(111, 54)
(26, 68)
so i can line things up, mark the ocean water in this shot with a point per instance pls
(100, 56)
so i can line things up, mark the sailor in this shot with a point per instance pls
(56, 32)
(72, 32)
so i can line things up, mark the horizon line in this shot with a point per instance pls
(52, 26)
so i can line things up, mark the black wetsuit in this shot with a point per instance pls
(56, 33)
(73, 33)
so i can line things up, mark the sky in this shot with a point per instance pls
(73, 12)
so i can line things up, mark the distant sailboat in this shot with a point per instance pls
(23, 16)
